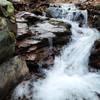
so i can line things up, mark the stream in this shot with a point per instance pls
(69, 78)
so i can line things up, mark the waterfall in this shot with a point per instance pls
(69, 78)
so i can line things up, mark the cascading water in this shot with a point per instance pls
(69, 79)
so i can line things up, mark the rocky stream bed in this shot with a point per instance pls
(31, 36)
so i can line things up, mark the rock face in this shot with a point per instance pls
(10, 72)
(45, 41)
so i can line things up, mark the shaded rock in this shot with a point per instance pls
(31, 17)
(7, 42)
(10, 73)
(33, 66)
(95, 56)
(96, 23)
(93, 12)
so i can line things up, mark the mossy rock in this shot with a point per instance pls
(56, 22)
(9, 11)
(60, 23)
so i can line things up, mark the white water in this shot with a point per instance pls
(69, 79)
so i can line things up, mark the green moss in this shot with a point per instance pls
(3, 23)
(10, 9)
(60, 23)
(12, 36)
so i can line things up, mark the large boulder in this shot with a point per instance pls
(10, 73)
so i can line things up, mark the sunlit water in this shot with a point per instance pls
(69, 79)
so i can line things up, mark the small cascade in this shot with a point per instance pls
(69, 78)
(69, 12)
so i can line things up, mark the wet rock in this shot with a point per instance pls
(51, 28)
(45, 42)
(33, 66)
(10, 73)
(96, 23)
(56, 30)
(93, 8)
(54, 12)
